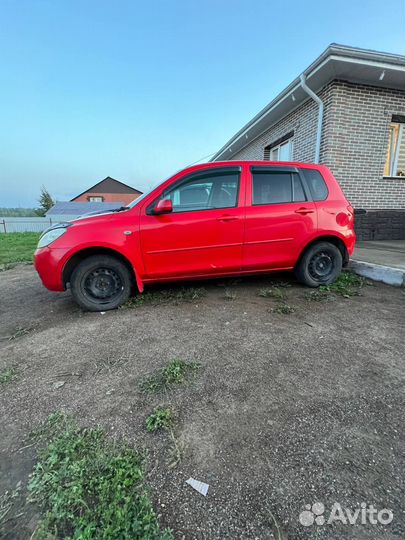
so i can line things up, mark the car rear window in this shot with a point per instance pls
(276, 187)
(316, 184)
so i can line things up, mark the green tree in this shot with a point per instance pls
(45, 202)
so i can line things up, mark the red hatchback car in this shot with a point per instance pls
(210, 220)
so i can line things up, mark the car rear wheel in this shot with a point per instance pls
(100, 283)
(321, 264)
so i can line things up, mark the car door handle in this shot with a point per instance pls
(227, 218)
(304, 211)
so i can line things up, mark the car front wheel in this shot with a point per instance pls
(100, 283)
(321, 264)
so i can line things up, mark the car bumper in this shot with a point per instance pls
(350, 243)
(48, 263)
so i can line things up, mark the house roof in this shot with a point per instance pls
(109, 185)
(336, 62)
(78, 208)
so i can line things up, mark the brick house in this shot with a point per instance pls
(109, 190)
(347, 111)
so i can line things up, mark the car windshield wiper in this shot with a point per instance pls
(120, 209)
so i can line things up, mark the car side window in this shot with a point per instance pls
(316, 184)
(204, 192)
(276, 187)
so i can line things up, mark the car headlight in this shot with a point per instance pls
(50, 236)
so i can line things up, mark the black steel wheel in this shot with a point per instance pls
(320, 264)
(100, 283)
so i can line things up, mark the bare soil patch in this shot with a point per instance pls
(288, 407)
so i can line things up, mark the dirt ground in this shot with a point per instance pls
(286, 411)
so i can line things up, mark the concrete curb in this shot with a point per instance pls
(377, 272)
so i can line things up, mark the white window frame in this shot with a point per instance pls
(394, 157)
(99, 198)
(277, 148)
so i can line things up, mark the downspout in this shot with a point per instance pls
(318, 100)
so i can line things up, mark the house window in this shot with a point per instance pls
(395, 159)
(281, 149)
(95, 198)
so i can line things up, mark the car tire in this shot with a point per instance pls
(320, 264)
(101, 283)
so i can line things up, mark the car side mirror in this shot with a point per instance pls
(164, 206)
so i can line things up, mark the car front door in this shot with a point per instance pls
(203, 234)
(280, 218)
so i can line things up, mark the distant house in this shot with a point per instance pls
(108, 190)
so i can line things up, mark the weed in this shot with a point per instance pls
(229, 295)
(283, 309)
(176, 451)
(346, 285)
(19, 332)
(110, 363)
(88, 487)
(168, 296)
(319, 295)
(7, 375)
(176, 372)
(272, 292)
(159, 419)
(162, 418)
(7, 501)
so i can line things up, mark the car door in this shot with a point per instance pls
(280, 218)
(203, 234)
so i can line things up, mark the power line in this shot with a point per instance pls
(205, 157)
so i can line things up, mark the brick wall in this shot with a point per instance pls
(380, 225)
(303, 121)
(354, 140)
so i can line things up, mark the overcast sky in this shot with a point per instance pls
(137, 90)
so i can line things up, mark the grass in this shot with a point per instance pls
(7, 375)
(160, 418)
(346, 285)
(88, 487)
(166, 296)
(176, 372)
(17, 247)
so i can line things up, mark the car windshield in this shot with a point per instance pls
(139, 199)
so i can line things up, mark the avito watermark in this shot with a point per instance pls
(317, 514)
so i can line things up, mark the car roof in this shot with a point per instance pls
(264, 163)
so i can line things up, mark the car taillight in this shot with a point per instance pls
(350, 209)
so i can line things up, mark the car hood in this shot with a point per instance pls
(97, 217)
